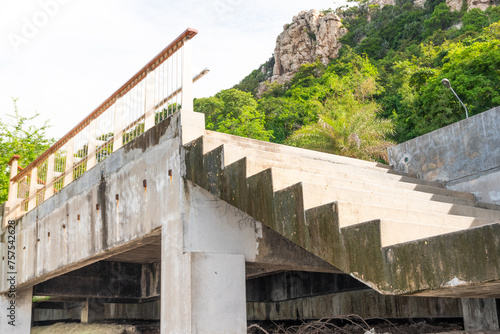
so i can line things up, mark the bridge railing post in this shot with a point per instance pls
(33, 185)
(49, 183)
(149, 108)
(91, 153)
(118, 126)
(68, 170)
(12, 196)
(187, 78)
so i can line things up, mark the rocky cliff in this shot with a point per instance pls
(315, 35)
(311, 35)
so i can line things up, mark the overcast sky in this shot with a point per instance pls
(62, 58)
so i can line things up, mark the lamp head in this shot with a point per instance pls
(446, 83)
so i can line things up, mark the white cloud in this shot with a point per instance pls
(85, 50)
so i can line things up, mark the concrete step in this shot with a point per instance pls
(351, 213)
(234, 153)
(394, 232)
(255, 165)
(376, 194)
(241, 147)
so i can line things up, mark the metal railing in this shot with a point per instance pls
(154, 93)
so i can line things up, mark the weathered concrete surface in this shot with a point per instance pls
(365, 303)
(218, 293)
(298, 284)
(16, 312)
(480, 314)
(449, 264)
(84, 222)
(465, 156)
(109, 280)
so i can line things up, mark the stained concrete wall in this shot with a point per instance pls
(465, 156)
(84, 222)
(365, 303)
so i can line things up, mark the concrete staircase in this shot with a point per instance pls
(395, 233)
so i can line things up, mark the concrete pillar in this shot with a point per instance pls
(118, 126)
(91, 150)
(480, 314)
(68, 176)
(13, 172)
(49, 183)
(200, 292)
(92, 310)
(33, 188)
(15, 312)
(192, 123)
(12, 196)
(150, 101)
(218, 293)
(187, 78)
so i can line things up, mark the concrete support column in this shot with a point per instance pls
(33, 188)
(218, 295)
(480, 314)
(91, 153)
(68, 176)
(12, 196)
(150, 101)
(49, 183)
(92, 310)
(118, 126)
(15, 312)
(187, 78)
(200, 292)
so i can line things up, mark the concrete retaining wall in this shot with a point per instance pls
(465, 156)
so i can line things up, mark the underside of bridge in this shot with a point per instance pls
(205, 231)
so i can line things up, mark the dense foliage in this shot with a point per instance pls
(18, 136)
(385, 85)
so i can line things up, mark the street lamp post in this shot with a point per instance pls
(447, 84)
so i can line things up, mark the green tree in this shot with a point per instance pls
(235, 112)
(348, 121)
(347, 127)
(19, 136)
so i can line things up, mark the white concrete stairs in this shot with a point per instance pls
(407, 210)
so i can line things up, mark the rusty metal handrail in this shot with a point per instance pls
(131, 83)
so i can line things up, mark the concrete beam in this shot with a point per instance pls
(365, 303)
(110, 280)
(480, 314)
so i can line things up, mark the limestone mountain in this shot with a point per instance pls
(315, 34)
(312, 35)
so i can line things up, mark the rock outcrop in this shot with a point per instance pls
(481, 4)
(456, 5)
(312, 35)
